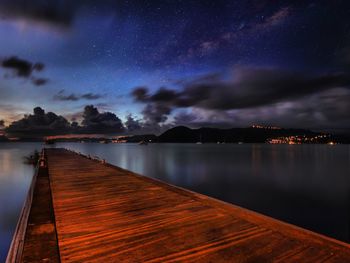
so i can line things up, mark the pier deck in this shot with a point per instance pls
(82, 210)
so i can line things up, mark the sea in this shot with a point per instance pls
(305, 185)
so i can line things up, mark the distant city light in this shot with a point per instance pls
(301, 139)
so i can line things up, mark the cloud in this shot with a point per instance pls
(60, 96)
(253, 95)
(39, 123)
(328, 110)
(60, 14)
(50, 12)
(21, 67)
(24, 69)
(251, 87)
(140, 93)
(155, 113)
(163, 94)
(133, 125)
(91, 96)
(39, 81)
(96, 122)
(2, 124)
(184, 118)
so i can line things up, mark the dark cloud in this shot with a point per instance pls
(63, 13)
(75, 97)
(91, 96)
(51, 12)
(155, 116)
(254, 95)
(155, 113)
(39, 123)
(2, 124)
(133, 125)
(163, 94)
(96, 122)
(39, 81)
(140, 94)
(156, 110)
(21, 67)
(24, 69)
(62, 97)
(325, 111)
(251, 88)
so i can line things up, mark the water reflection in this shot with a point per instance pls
(15, 178)
(307, 185)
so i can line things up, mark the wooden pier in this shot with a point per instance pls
(83, 210)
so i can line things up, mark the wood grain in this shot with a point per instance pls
(40, 243)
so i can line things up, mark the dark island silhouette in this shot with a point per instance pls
(254, 134)
(234, 135)
(183, 134)
(106, 127)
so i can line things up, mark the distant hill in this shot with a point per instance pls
(182, 134)
(246, 135)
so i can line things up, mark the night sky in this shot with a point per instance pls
(156, 64)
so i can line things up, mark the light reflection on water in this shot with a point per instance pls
(15, 178)
(307, 185)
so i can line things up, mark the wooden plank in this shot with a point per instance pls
(39, 240)
(87, 211)
(40, 244)
(106, 214)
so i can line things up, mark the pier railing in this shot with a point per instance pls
(16, 247)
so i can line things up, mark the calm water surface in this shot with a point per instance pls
(15, 178)
(307, 185)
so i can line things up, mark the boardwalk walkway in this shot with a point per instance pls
(86, 211)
